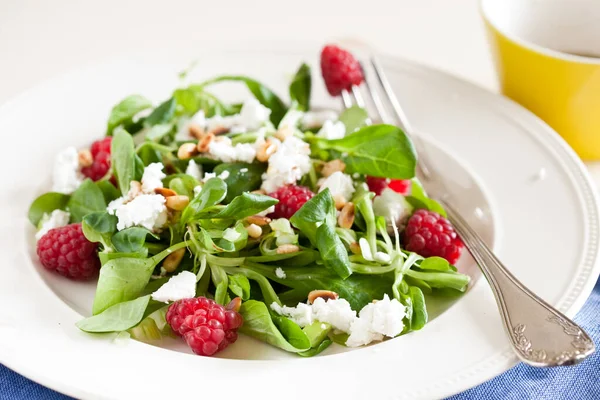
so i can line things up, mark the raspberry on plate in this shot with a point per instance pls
(291, 198)
(66, 250)
(377, 185)
(101, 155)
(429, 234)
(340, 69)
(206, 326)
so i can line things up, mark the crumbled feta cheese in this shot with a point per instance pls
(315, 119)
(56, 219)
(302, 314)
(218, 121)
(266, 212)
(376, 320)
(253, 115)
(289, 163)
(339, 184)
(66, 176)
(337, 313)
(291, 119)
(209, 175)
(183, 126)
(194, 170)
(238, 129)
(181, 286)
(152, 177)
(392, 205)
(280, 273)
(365, 249)
(332, 130)
(382, 257)
(224, 151)
(231, 234)
(146, 210)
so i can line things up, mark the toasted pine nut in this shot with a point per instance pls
(204, 142)
(346, 217)
(258, 220)
(219, 130)
(266, 151)
(333, 166)
(135, 188)
(196, 131)
(85, 158)
(284, 133)
(173, 260)
(355, 248)
(324, 294)
(234, 304)
(340, 201)
(166, 192)
(287, 249)
(187, 151)
(178, 202)
(254, 231)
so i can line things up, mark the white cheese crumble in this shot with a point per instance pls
(183, 126)
(392, 206)
(194, 170)
(253, 115)
(376, 320)
(181, 286)
(332, 130)
(302, 314)
(291, 119)
(66, 176)
(280, 273)
(337, 313)
(289, 163)
(315, 119)
(223, 150)
(339, 184)
(146, 210)
(152, 177)
(56, 219)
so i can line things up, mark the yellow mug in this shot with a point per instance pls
(547, 55)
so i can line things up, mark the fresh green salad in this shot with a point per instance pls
(203, 219)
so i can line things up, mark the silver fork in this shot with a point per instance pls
(540, 335)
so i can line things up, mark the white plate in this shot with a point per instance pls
(548, 230)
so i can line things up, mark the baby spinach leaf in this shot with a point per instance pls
(259, 324)
(87, 199)
(339, 337)
(300, 87)
(107, 256)
(131, 240)
(213, 192)
(316, 332)
(450, 279)
(354, 118)
(156, 133)
(221, 282)
(262, 93)
(109, 191)
(242, 206)
(333, 252)
(161, 114)
(123, 279)
(181, 183)
(116, 318)
(316, 350)
(419, 310)
(101, 222)
(240, 286)
(125, 110)
(45, 204)
(419, 200)
(242, 177)
(123, 159)
(376, 150)
(435, 264)
(316, 211)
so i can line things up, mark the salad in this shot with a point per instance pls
(204, 219)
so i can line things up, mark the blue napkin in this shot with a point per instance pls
(521, 382)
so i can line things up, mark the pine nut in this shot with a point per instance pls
(340, 201)
(187, 151)
(288, 249)
(173, 260)
(333, 166)
(258, 220)
(266, 151)
(324, 294)
(355, 248)
(346, 217)
(254, 231)
(196, 131)
(284, 133)
(166, 192)
(204, 142)
(235, 304)
(85, 158)
(178, 202)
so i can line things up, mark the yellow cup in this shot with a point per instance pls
(547, 55)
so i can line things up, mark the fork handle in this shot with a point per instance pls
(540, 335)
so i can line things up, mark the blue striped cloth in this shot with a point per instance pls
(522, 382)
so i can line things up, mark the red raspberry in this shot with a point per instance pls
(429, 234)
(291, 198)
(206, 326)
(67, 251)
(340, 69)
(377, 185)
(101, 154)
